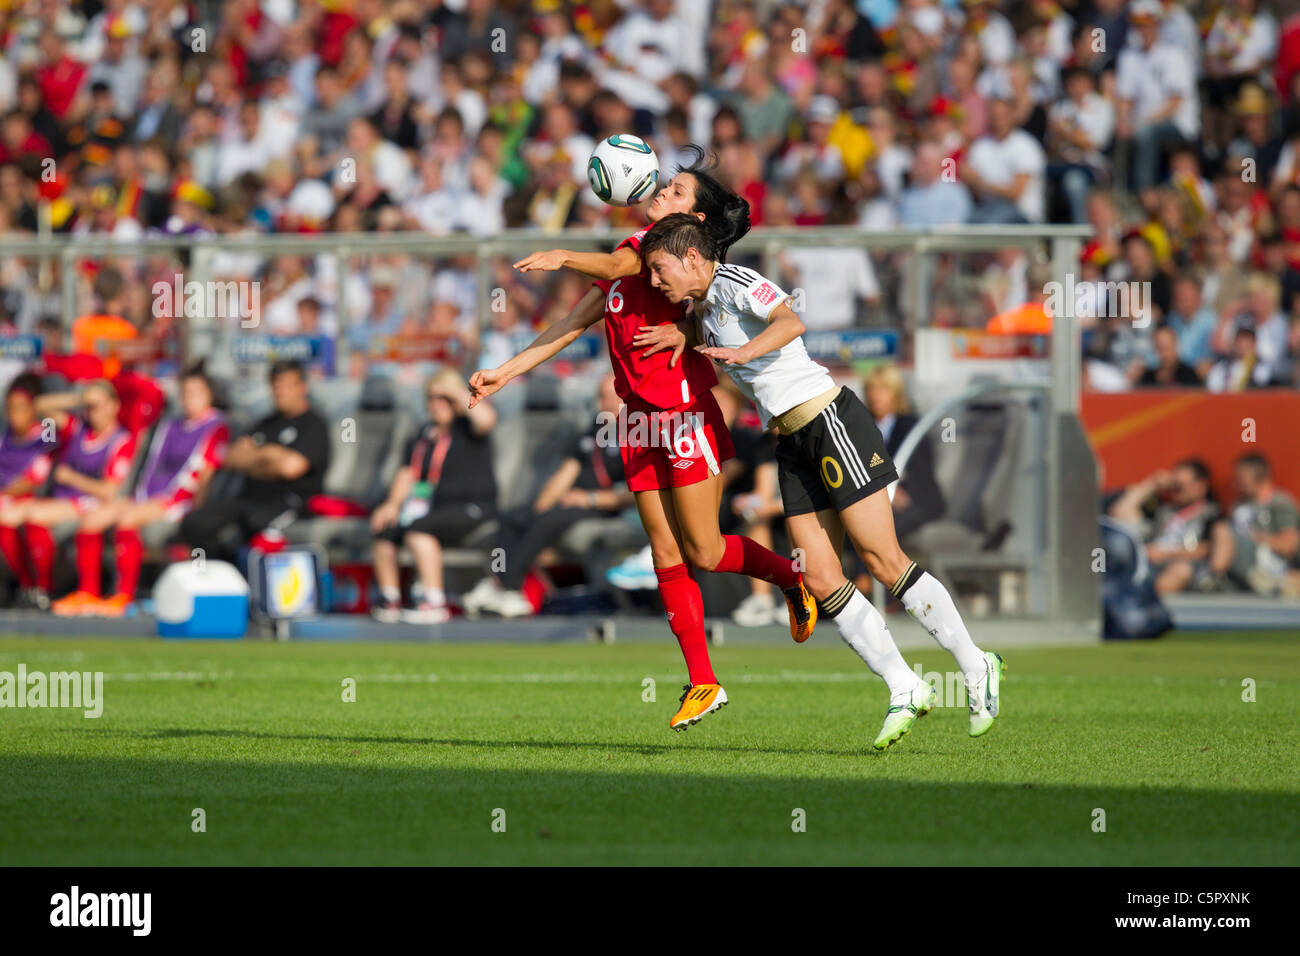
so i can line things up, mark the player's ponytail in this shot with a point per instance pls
(725, 214)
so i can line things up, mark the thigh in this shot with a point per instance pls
(696, 506)
(137, 514)
(105, 515)
(450, 524)
(869, 523)
(51, 511)
(659, 518)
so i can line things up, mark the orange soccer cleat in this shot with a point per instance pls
(699, 699)
(803, 611)
(115, 606)
(76, 604)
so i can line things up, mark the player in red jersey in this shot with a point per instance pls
(92, 463)
(671, 432)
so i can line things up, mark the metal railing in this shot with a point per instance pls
(1059, 244)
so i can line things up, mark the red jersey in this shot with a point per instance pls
(630, 303)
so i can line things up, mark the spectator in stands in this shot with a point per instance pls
(1005, 170)
(282, 460)
(1192, 323)
(1172, 511)
(184, 454)
(588, 484)
(94, 334)
(93, 461)
(1155, 83)
(1259, 540)
(933, 198)
(917, 497)
(1169, 369)
(445, 490)
(1243, 369)
(1079, 128)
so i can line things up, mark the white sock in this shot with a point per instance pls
(929, 602)
(435, 596)
(393, 595)
(864, 630)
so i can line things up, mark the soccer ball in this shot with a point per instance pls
(623, 170)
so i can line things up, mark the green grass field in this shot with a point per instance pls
(559, 737)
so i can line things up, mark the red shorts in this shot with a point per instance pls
(676, 447)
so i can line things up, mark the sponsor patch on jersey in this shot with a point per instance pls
(764, 293)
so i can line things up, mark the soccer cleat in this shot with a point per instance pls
(387, 612)
(699, 699)
(901, 716)
(982, 695)
(76, 604)
(116, 606)
(803, 611)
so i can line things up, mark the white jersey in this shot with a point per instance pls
(736, 309)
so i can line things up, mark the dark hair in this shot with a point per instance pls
(679, 233)
(287, 365)
(28, 382)
(1197, 467)
(1256, 463)
(199, 370)
(726, 215)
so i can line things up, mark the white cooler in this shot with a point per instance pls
(210, 600)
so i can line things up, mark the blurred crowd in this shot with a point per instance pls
(1172, 129)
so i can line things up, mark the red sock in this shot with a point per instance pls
(130, 555)
(685, 607)
(90, 561)
(747, 556)
(40, 548)
(12, 549)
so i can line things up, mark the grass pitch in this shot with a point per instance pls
(442, 738)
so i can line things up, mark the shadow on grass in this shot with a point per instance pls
(511, 744)
(139, 810)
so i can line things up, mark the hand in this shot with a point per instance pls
(385, 516)
(725, 356)
(901, 499)
(656, 338)
(576, 498)
(61, 473)
(548, 260)
(484, 383)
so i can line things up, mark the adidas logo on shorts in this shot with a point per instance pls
(875, 460)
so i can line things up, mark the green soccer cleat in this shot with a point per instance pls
(982, 695)
(901, 716)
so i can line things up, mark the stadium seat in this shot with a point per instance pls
(978, 476)
(366, 443)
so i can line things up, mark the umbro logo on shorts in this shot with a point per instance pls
(684, 463)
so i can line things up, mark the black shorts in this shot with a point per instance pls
(838, 458)
(450, 524)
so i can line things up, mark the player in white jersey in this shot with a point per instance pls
(833, 466)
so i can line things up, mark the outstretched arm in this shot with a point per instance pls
(554, 339)
(783, 327)
(622, 262)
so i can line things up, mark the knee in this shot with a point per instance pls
(885, 564)
(706, 557)
(823, 582)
